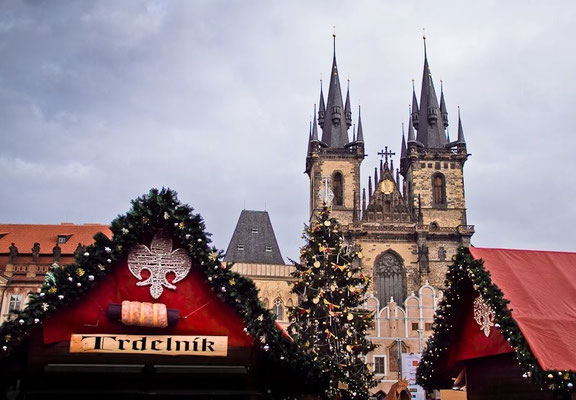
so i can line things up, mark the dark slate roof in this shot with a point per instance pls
(335, 135)
(252, 236)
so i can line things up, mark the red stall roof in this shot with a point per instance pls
(541, 288)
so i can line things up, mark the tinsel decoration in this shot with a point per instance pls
(463, 274)
(160, 211)
(329, 321)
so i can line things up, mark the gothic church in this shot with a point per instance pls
(411, 219)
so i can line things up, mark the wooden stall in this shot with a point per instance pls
(506, 328)
(150, 312)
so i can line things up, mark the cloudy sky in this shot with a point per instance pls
(102, 100)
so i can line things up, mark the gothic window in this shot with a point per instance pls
(338, 189)
(394, 356)
(438, 189)
(390, 278)
(278, 309)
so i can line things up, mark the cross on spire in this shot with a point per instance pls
(386, 153)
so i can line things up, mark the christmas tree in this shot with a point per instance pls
(329, 322)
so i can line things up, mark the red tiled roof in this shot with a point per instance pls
(24, 236)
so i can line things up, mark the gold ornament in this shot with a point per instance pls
(52, 289)
(80, 272)
(316, 300)
(166, 215)
(101, 267)
(213, 256)
(45, 306)
(350, 317)
(327, 223)
(359, 255)
(316, 264)
(232, 281)
(181, 225)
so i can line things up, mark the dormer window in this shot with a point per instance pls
(255, 231)
(63, 238)
(240, 247)
(268, 249)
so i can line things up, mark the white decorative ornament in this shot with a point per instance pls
(325, 193)
(159, 260)
(483, 315)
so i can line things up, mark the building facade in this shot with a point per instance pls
(27, 252)
(408, 222)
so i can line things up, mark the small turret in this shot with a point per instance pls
(322, 109)
(443, 110)
(347, 109)
(360, 135)
(415, 112)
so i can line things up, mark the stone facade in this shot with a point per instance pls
(273, 283)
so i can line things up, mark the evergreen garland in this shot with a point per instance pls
(466, 271)
(159, 210)
(329, 322)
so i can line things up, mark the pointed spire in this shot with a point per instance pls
(370, 188)
(397, 176)
(314, 131)
(447, 135)
(322, 110)
(347, 109)
(334, 129)
(310, 139)
(430, 132)
(403, 146)
(363, 202)
(375, 176)
(460, 130)
(443, 110)
(392, 167)
(411, 136)
(415, 112)
(360, 136)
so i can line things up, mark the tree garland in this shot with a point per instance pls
(467, 271)
(159, 210)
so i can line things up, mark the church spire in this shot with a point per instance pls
(414, 113)
(314, 133)
(335, 128)
(403, 146)
(430, 132)
(322, 110)
(360, 135)
(460, 130)
(347, 109)
(443, 110)
(411, 136)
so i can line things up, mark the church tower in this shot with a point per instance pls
(333, 162)
(410, 220)
(432, 166)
